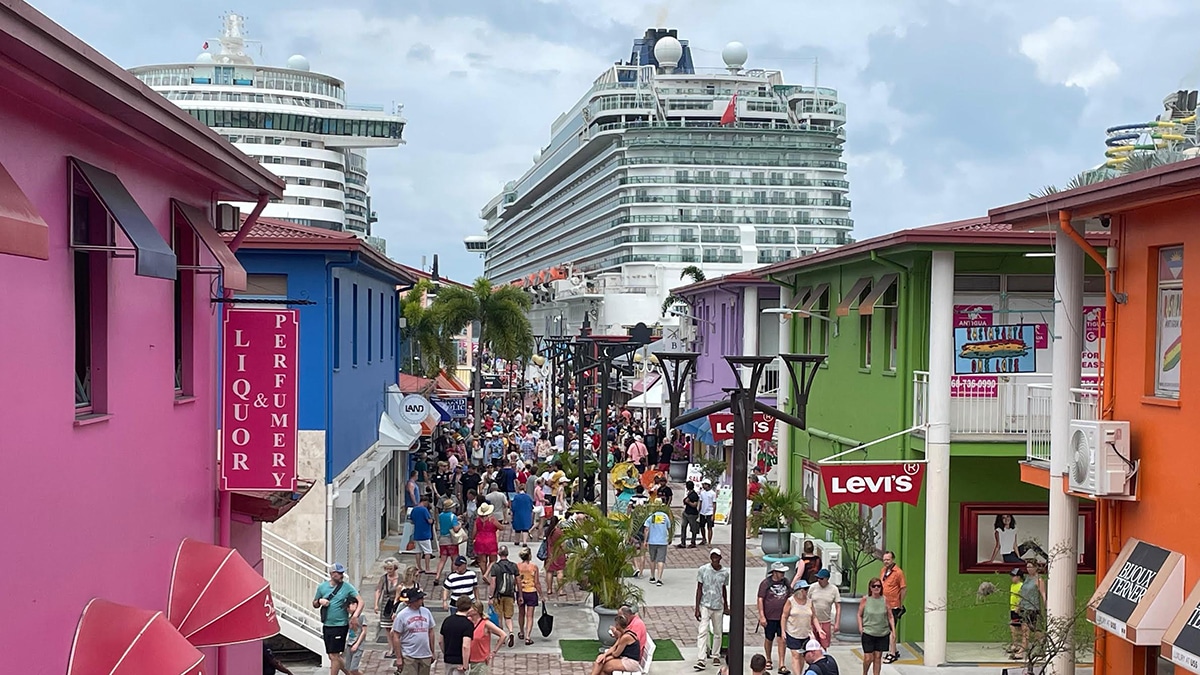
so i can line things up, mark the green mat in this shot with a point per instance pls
(588, 650)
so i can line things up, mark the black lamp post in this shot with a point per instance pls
(742, 402)
(581, 363)
(557, 349)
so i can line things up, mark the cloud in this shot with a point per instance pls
(1065, 52)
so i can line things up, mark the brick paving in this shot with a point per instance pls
(374, 663)
(679, 623)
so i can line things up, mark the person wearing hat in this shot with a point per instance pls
(487, 537)
(773, 594)
(448, 528)
(708, 510)
(459, 583)
(637, 453)
(825, 598)
(819, 663)
(799, 623)
(712, 604)
(412, 634)
(336, 599)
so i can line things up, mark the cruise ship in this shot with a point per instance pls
(294, 121)
(659, 166)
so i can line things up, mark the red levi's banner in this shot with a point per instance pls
(259, 374)
(722, 426)
(873, 484)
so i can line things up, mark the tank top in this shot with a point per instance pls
(1031, 599)
(632, 650)
(875, 620)
(481, 643)
(799, 622)
(527, 577)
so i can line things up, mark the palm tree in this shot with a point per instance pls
(501, 313)
(1079, 180)
(1148, 160)
(695, 274)
(433, 344)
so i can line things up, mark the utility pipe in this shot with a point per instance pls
(842, 440)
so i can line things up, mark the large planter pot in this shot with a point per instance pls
(605, 619)
(847, 628)
(775, 541)
(679, 470)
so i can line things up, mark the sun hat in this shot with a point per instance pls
(800, 585)
(778, 567)
(447, 504)
(486, 509)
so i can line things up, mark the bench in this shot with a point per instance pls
(647, 659)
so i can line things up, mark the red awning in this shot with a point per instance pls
(22, 230)
(644, 383)
(447, 382)
(233, 274)
(217, 598)
(411, 384)
(114, 639)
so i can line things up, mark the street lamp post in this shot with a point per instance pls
(742, 402)
(607, 354)
(556, 346)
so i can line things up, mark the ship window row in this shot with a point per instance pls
(245, 119)
(274, 140)
(296, 161)
(166, 77)
(738, 178)
(312, 182)
(643, 196)
(722, 216)
(745, 158)
(584, 206)
(312, 201)
(313, 222)
(573, 187)
(299, 82)
(751, 141)
(580, 225)
(620, 102)
(243, 97)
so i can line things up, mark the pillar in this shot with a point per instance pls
(1064, 509)
(783, 468)
(937, 454)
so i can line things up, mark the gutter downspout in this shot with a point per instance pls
(841, 440)
(224, 497)
(329, 319)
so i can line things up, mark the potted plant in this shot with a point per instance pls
(713, 470)
(774, 515)
(680, 459)
(599, 554)
(853, 529)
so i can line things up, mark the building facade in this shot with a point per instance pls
(295, 122)
(109, 347)
(662, 165)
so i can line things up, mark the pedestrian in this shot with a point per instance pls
(635, 623)
(334, 598)
(412, 635)
(448, 527)
(502, 581)
(479, 661)
(472, 515)
(487, 529)
(522, 514)
(1017, 579)
(456, 633)
(657, 533)
(354, 645)
(556, 560)
(271, 664)
(819, 663)
(499, 502)
(691, 516)
(708, 509)
(1031, 605)
(385, 593)
(758, 665)
(459, 583)
(876, 625)
(638, 453)
(810, 564)
(422, 536)
(894, 590)
(665, 494)
(470, 482)
(529, 590)
(826, 600)
(773, 594)
(712, 604)
(412, 492)
(625, 655)
(799, 623)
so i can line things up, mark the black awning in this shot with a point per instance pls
(154, 256)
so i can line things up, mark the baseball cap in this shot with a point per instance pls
(1016, 572)
(799, 585)
(778, 567)
(412, 594)
(339, 568)
(823, 574)
(706, 482)
(460, 560)
(813, 646)
(715, 551)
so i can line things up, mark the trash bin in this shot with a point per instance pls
(790, 560)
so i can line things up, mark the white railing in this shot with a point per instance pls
(768, 383)
(294, 575)
(989, 408)
(1085, 405)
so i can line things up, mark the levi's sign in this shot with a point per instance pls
(873, 484)
(722, 426)
(258, 399)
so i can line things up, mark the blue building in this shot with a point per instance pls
(347, 294)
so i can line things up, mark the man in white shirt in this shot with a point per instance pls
(708, 509)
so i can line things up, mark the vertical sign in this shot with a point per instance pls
(259, 374)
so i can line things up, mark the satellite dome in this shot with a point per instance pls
(297, 62)
(734, 54)
(204, 57)
(668, 51)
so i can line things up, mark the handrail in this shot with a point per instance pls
(295, 554)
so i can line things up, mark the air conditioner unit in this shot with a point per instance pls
(1100, 462)
(229, 218)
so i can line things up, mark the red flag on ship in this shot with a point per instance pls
(730, 114)
(206, 45)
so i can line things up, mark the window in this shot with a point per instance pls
(186, 255)
(223, 75)
(392, 323)
(1169, 323)
(891, 318)
(337, 323)
(381, 325)
(354, 325)
(864, 341)
(807, 336)
(91, 226)
(370, 324)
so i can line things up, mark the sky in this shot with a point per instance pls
(954, 106)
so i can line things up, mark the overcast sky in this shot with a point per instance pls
(954, 106)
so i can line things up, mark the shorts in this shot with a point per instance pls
(898, 612)
(827, 628)
(448, 550)
(335, 638)
(423, 546)
(706, 520)
(353, 658)
(478, 668)
(1014, 619)
(504, 606)
(416, 666)
(794, 643)
(529, 599)
(1030, 617)
(773, 630)
(628, 665)
(454, 669)
(872, 644)
(658, 553)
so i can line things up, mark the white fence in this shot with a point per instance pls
(1085, 405)
(988, 407)
(294, 575)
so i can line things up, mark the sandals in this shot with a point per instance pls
(784, 671)
(528, 642)
(891, 658)
(769, 666)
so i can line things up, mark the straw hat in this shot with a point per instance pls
(486, 509)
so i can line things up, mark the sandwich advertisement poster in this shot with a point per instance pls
(985, 350)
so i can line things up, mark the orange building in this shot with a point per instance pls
(1147, 606)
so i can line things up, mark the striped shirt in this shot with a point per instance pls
(461, 585)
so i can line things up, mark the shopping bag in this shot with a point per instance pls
(493, 615)
(545, 622)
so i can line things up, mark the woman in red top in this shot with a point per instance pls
(487, 544)
(556, 563)
(480, 659)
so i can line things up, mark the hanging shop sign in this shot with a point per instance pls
(983, 350)
(722, 426)
(415, 408)
(873, 484)
(259, 375)
(457, 407)
(1181, 644)
(1140, 595)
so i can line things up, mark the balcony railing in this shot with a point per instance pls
(1085, 405)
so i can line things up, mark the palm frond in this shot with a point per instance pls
(599, 554)
(693, 272)
(1149, 160)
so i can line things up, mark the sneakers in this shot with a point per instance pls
(637, 574)
(716, 660)
(652, 580)
(659, 582)
(700, 665)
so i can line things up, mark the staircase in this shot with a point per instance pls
(294, 575)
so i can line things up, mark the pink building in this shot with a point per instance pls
(108, 341)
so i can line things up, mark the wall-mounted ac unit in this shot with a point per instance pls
(1100, 461)
(229, 218)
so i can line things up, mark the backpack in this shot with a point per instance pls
(506, 580)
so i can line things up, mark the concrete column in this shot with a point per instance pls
(1064, 509)
(937, 454)
(783, 468)
(750, 320)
